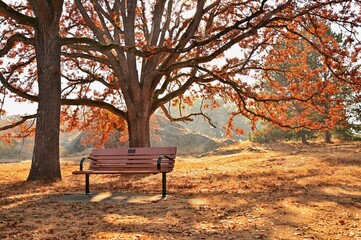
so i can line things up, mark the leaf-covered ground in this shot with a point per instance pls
(279, 191)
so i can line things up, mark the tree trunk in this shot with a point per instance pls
(328, 136)
(45, 164)
(304, 138)
(138, 129)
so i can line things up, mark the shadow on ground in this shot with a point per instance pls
(107, 197)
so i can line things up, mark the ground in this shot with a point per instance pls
(247, 191)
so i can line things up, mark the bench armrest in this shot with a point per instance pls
(159, 161)
(82, 161)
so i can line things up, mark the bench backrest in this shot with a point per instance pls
(152, 160)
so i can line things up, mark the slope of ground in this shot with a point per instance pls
(279, 191)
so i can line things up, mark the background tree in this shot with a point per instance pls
(40, 32)
(293, 64)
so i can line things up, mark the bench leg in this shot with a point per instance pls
(87, 188)
(164, 185)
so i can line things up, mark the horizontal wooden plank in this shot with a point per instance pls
(130, 166)
(135, 171)
(135, 151)
(130, 169)
(123, 165)
(131, 161)
(118, 172)
(113, 157)
(135, 157)
(124, 161)
(124, 169)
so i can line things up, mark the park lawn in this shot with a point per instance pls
(246, 191)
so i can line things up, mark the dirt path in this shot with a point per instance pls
(279, 191)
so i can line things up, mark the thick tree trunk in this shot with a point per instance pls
(45, 164)
(328, 136)
(139, 128)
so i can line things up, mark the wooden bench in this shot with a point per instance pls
(129, 161)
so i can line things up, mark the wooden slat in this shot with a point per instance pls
(123, 165)
(150, 166)
(125, 160)
(119, 168)
(129, 165)
(131, 161)
(133, 157)
(137, 151)
(113, 172)
(122, 171)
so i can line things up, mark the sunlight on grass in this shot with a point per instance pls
(341, 191)
(199, 203)
(126, 219)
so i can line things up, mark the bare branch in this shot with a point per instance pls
(186, 118)
(15, 124)
(94, 103)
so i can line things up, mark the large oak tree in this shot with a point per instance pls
(39, 30)
(147, 54)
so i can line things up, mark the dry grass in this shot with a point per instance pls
(280, 191)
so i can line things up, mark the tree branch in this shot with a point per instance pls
(95, 45)
(159, 102)
(21, 121)
(94, 103)
(12, 40)
(186, 118)
(17, 91)
(86, 56)
(9, 12)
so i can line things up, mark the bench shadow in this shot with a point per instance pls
(107, 197)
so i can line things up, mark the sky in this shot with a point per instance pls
(15, 108)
